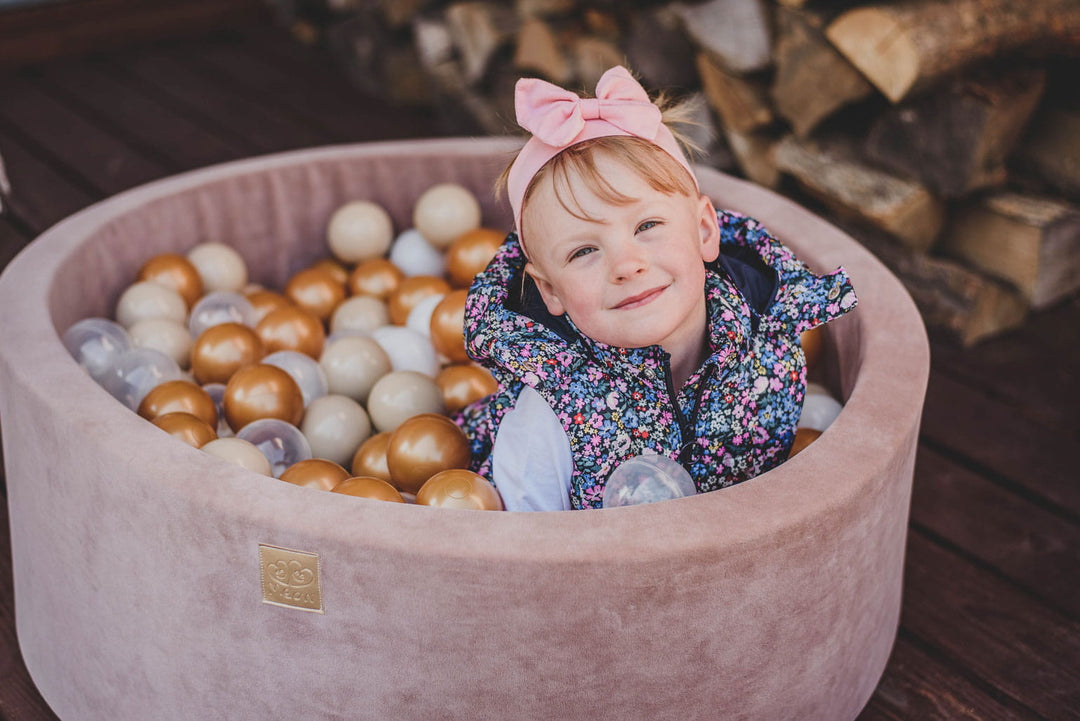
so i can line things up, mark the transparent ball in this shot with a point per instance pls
(281, 442)
(136, 372)
(95, 344)
(416, 256)
(304, 369)
(221, 306)
(217, 393)
(647, 479)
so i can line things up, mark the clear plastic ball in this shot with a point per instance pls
(136, 372)
(95, 344)
(221, 306)
(647, 479)
(408, 350)
(217, 392)
(416, 256)
(304, 369)
(281, 442)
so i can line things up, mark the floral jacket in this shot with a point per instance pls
(733, 419)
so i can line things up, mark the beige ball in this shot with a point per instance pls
(353, 364)
(165, 335)
(219, 266)
(145, 300)
(364, 313)
(400, 395)
(444, 212)
(335, 426)
(242, 453)
(359, 231)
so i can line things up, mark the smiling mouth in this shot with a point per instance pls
(640, 299)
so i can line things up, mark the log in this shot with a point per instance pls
(543, 8)
(592, 58)
(657, 49)
(956, 139)
(1051, 152)
(538, 50)
(1032, 242)
(736, 32)
(5, 187)
(906, 45)
(812, 79)
(858, 192)
(753, 154)
(708, 145)
(741, 103)
(478, 30)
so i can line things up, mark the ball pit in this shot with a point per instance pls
(146, 572)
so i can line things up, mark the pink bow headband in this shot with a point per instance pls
(558, 119)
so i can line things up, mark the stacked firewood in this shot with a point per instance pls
(943, 134)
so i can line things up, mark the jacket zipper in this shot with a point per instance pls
(686, 431)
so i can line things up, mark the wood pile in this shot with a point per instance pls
(944, 134)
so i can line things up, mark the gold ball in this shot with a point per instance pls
(190, 429)
(812, 342)
(315, 473)
(262, 391)
(264, 301)
(458, 488)
(176, 272)
(369, 487)
(292, 328)
(464, 384)
(335, 267)
(179, 396)
(411, 291)
(803, 438)
(370, 458)
(316, 291)
(423, 446)
(223, 349)
(448, 326)
(377, 277)
(471, 253)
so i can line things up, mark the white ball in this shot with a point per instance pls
(444, 212)
(335, 426)
(145, 300)
(353, 364)
(416, 256)
(242, 453)
(359, 231)
(165, 335)
(219, 266)
(362, 313)
(819, 411)
(304, 369)
(419, 318)
(407, 349)
(399, 396)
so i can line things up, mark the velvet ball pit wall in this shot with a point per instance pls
(138, 564)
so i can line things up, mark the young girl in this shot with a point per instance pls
(626, 316)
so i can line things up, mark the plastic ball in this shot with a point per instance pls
(423, 446)
(647, 479)
(305, 370)
(263, 301)
(420, 316)
(217, 392)
(444, 212)
(135, 372)
(165, 335)
(336, 269)
(95, 343)
(812, 342)
(416, 256)
(262, 391)
(353, 364)
(459, 488)
(803, 438)
(464, 384)
(176, 272)
(470, 253)
(377, 277)
(190, 429)
(370, 457)
(411, 291)
(316, 290)
(220, 267)
(222, 350)
(819, 410)
(400, 395)
(361, 313)
(292, 328)
(317, 473)
(448, 326)
(221, 306)
(368, 487)
(239, 452)
(335, 426)
(359, 231)
(407, 349)
(144, 300)
(179, 396)
(282, 443)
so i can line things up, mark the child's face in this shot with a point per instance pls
(635, 276)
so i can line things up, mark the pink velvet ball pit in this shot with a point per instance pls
(138, 580)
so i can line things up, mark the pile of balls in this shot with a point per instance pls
(343, 381)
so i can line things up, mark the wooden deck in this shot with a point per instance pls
(989, 628)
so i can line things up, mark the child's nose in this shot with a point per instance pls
(629, 262)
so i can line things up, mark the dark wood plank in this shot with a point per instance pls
(12, 240)
(41, 193)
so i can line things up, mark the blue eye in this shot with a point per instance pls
(646, 225)
(581, 253)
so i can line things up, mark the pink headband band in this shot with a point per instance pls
(558, 119)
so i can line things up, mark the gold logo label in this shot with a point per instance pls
(290, 578)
